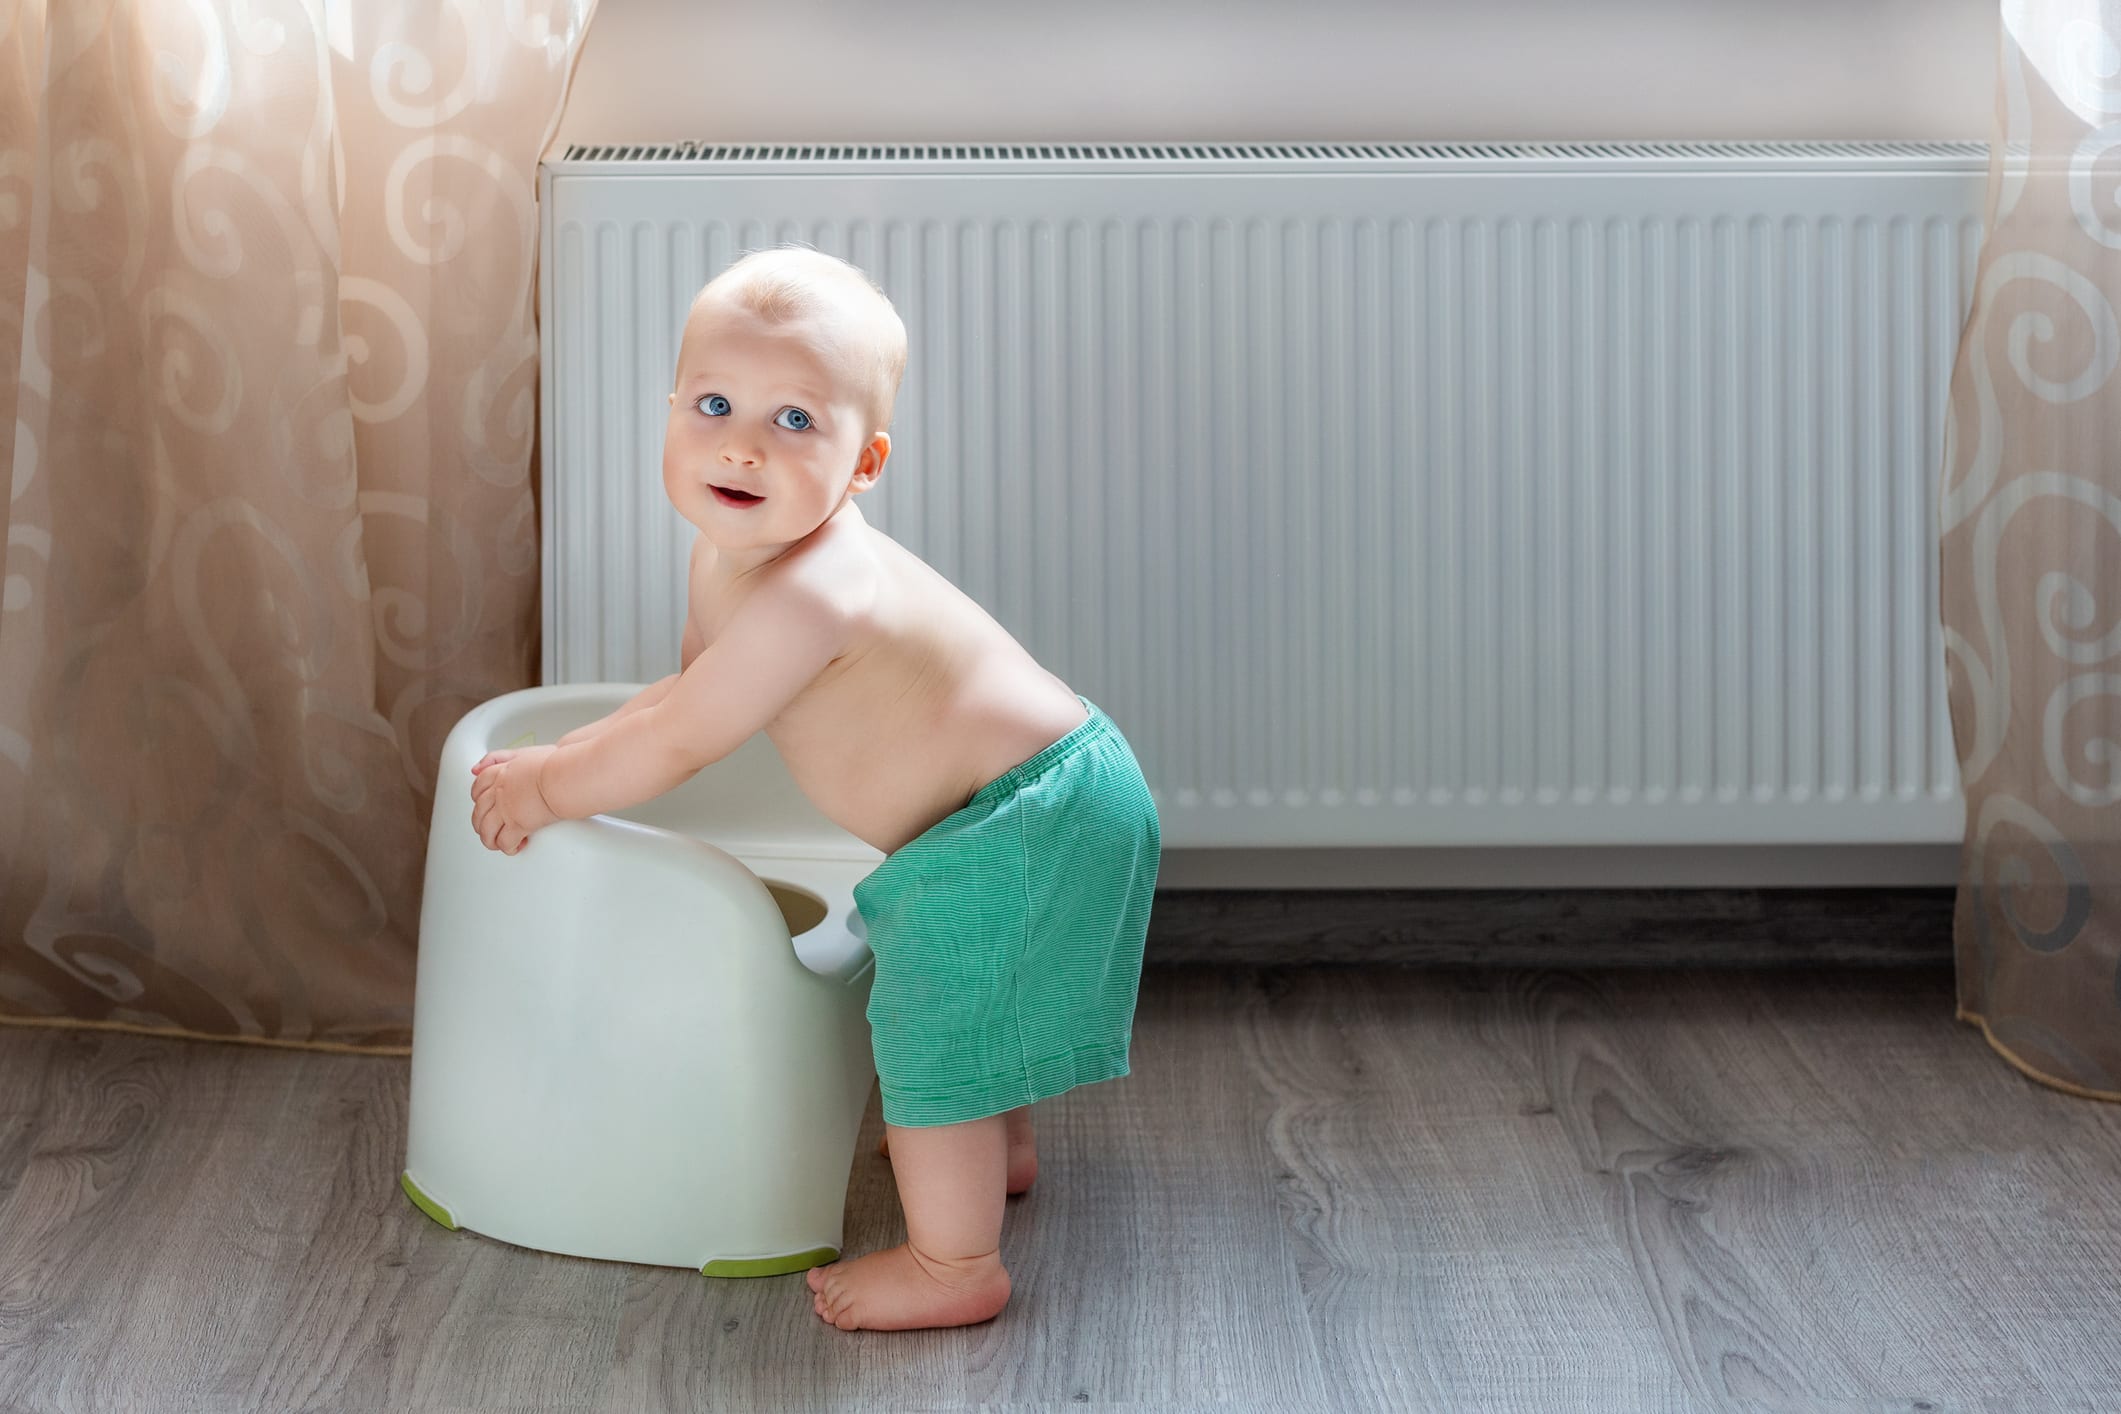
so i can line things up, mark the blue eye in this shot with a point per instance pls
(714, 405)
(802, 419)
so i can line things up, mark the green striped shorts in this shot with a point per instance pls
(1008, 937)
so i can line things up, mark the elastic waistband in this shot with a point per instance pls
(1093, 729)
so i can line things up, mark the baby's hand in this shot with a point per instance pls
(507, 805)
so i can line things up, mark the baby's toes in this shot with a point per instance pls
(816, 1277)
(834, 1299)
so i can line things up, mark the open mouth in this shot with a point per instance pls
(729, 496)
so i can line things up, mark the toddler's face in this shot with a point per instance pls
(768, 433)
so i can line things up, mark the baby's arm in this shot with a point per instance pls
(688, 649)
(785, 634)
(647, 697)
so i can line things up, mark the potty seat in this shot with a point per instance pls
(642, 1038)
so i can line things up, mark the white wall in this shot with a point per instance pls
(663, 70)
(1008, 70)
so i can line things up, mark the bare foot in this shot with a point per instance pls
(896, 1290)
(1023, 1154)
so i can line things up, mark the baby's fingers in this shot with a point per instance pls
(491, 758)
(488, 820)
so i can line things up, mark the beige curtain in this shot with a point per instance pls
(268, 371)
(2031, 564)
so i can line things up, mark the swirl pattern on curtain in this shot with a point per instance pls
(2031, 560)
(268, 367)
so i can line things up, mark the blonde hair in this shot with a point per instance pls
(796, 281)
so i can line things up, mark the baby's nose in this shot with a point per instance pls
(747, 456)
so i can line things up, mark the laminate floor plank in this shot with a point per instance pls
(1453, 1255)
(133, 1236)
(1982, 1208)
(1323, 1188)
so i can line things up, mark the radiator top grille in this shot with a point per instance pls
(1312, 156)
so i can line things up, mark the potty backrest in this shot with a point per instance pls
(749, 802)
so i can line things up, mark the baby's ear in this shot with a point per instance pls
(879, 450)
(673, 397)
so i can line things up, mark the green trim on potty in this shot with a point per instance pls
(526, 739)
(770, 1266)
(426, 1204)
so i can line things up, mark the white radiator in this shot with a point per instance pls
(1551, 494)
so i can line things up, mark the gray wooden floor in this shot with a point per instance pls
(1324, 1188)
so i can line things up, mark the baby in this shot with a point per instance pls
(1008, 917)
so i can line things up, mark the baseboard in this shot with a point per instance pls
(1555, 927)
(1567, 867)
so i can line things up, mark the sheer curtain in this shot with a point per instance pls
(2031, 567)
(268, 369)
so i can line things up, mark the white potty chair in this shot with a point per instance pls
(644, 1037)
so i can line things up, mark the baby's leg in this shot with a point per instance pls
(948, 1272)
(1023, 1149)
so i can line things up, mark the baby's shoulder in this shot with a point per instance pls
(839, 566)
